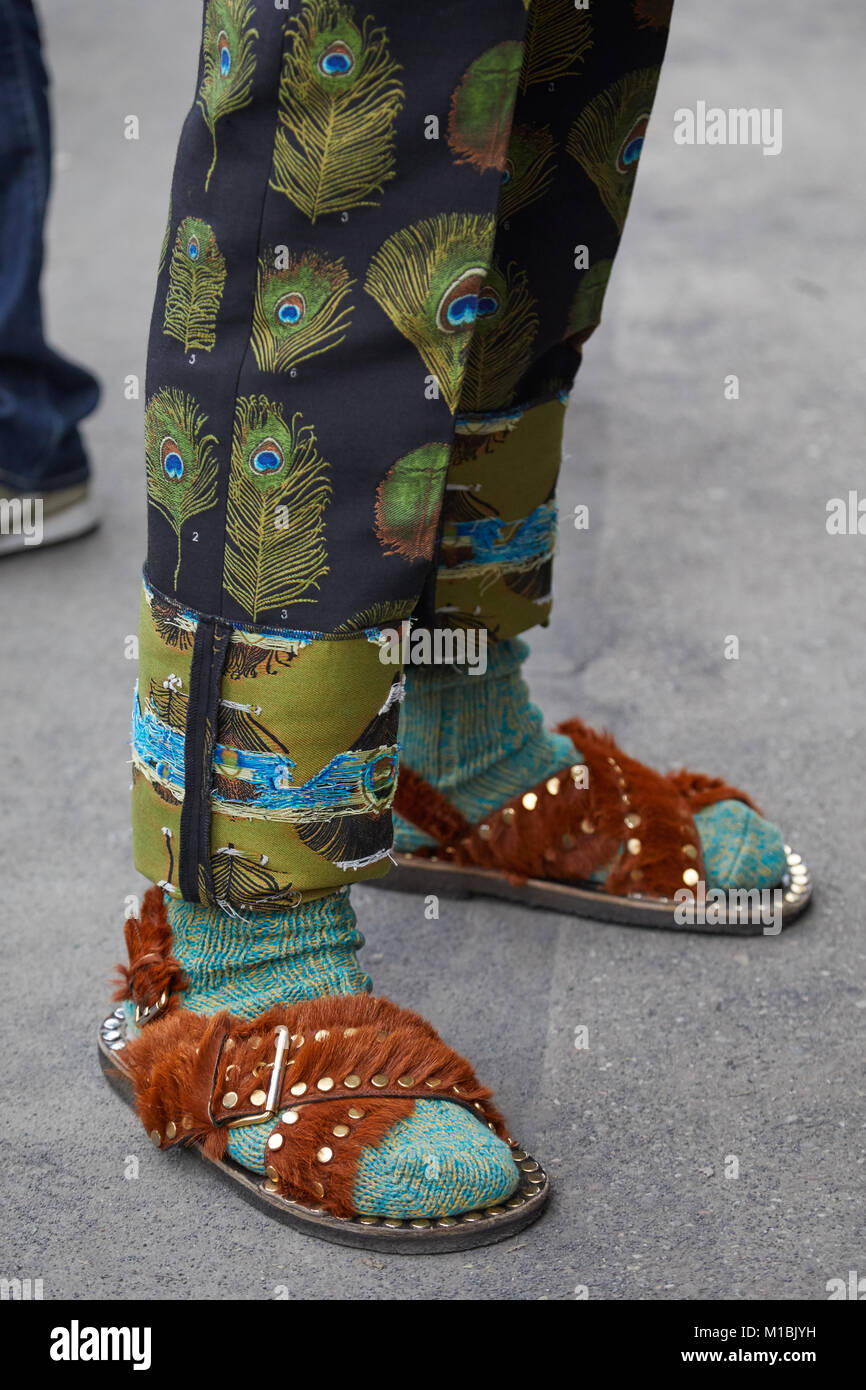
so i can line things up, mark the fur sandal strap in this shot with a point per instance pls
(330, 1077)
(349, 1062)
(153, 979)
(545, 844)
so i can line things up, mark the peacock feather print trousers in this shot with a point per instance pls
(390, 232)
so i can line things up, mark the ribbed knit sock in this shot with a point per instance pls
(439, 1161)
(480, 740)
(248, 964)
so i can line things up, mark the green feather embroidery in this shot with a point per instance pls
(482, 107)
(428, 279)
(196, 280)
(585, 312)
(384, 614)
(277, 494)
(229, 64)
(607, 138)
(501, 346)
(299, 311)
(339, 98)
(557, 35)
(163, 250)
(408, 501)
(181, 460)
(529, 169)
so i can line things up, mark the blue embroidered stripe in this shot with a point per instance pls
(352, 783)
(533, 540)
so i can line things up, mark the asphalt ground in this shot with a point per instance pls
(709, 1142)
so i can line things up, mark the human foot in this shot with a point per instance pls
(374, 1120)
(607, 836)
(490, 801)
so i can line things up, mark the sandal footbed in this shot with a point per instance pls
(405, 1237)
(417, 873)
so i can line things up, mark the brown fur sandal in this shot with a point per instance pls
(542, 846)
(335, 1074)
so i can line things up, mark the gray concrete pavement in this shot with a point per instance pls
(707, 519)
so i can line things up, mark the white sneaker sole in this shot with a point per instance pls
(65, 525)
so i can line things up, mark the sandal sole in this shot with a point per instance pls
(406, 1237)
(418, 874)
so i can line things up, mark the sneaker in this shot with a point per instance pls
(30, 522)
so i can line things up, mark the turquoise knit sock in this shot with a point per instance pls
(481, 740)
(439, 1161)
(248, 964)
(741, 849)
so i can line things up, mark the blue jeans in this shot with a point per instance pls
(42, 396)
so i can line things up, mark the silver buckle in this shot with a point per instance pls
(148, 1014)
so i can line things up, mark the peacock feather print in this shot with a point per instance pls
(196, 280)
(482, 106)
(277, 493)
(534, 584)
(162, 615)
(170, 703)
(557, 36)
(353, 842)
(528, 171)
(229, 64)
(408, 501)
(338, 101)
(459, 619)
(300, 310)
(239, 727)
(364, 835)
(585, 312)
(163, 250)
(466, 448)
(232, 789)
(181, 460)
(463, 502)
(608, 135)
(246, 663)
(241, 880)
(387, 613)
(164, 793)
(429, 278)
(501, 347)
(491, 549)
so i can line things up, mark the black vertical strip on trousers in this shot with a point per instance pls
(208, 659)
